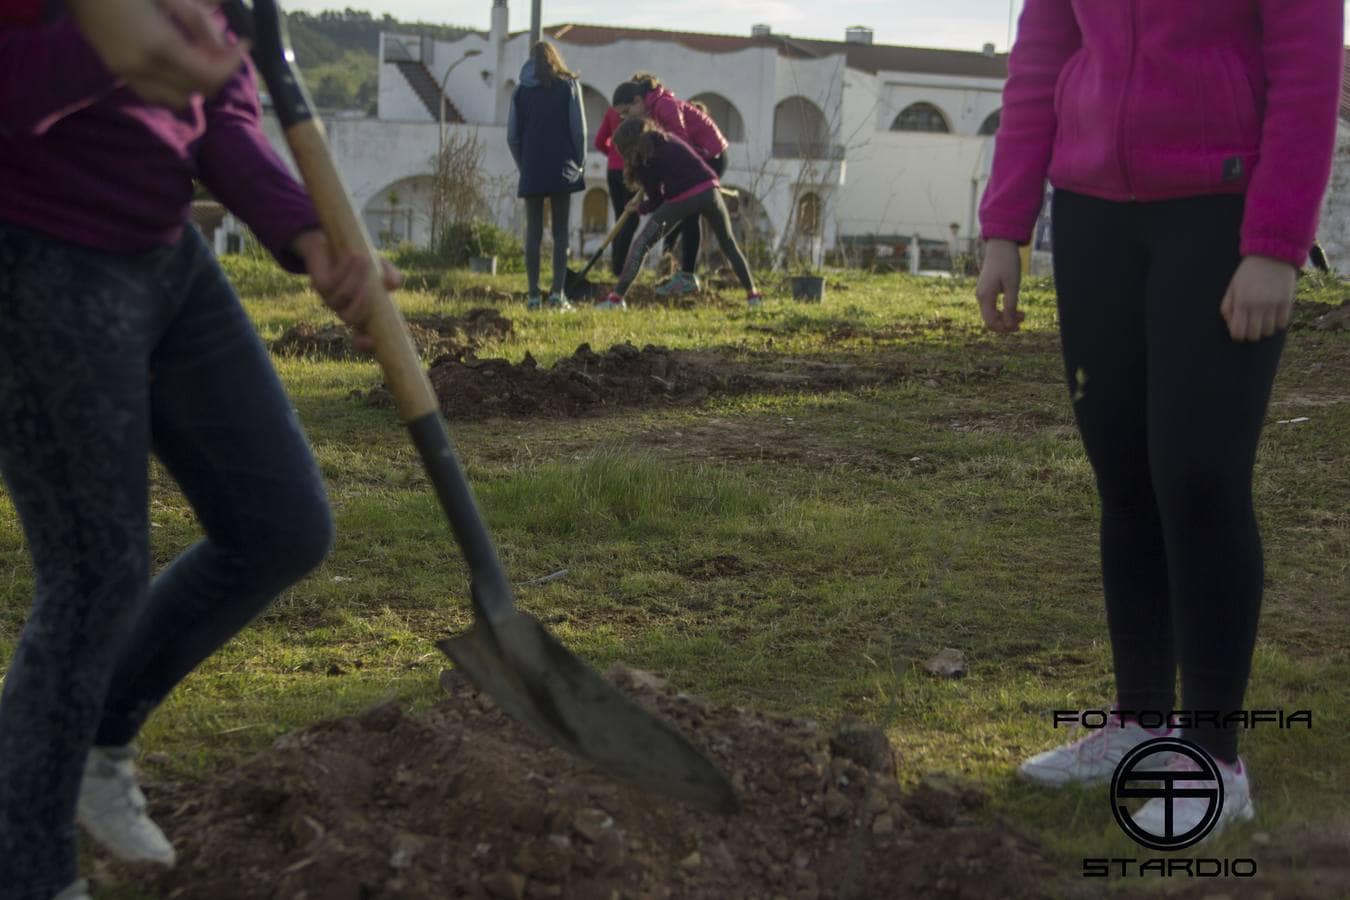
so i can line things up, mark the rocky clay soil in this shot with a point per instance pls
(461, 801)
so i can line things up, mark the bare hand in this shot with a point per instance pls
(1000, 273)
(166, 50)
(344, 284)
(1259, 298)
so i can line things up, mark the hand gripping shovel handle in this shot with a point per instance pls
(413, 394)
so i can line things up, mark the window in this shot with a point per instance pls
(921, 117)
(990, 124)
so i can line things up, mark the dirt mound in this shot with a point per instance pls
(462, 801)
(1320, 316)
(624, 376)
(432, 335)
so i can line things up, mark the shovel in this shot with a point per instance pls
(507, 654)
(575, 284)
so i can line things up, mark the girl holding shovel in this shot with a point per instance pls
(1183, 208)
(644, 96)
(121, 337)
(678, 185)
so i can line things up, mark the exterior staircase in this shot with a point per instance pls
(424, 84)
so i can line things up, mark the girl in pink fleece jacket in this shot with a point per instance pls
(644, 96)
(1189, 145)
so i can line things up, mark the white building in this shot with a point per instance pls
(832, 142)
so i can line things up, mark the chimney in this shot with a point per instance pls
(760, 31)
(500, 21)
(989, 50)
(858, 34)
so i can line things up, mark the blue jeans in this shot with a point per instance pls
(104, 359)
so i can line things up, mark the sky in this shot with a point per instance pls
(962, 24)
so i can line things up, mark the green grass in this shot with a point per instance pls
(869, 529)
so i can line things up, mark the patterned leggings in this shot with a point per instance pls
(709, 205)
(106, 358)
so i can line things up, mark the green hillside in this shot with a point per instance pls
(338, 52)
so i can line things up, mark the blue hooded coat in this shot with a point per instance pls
(546, 132)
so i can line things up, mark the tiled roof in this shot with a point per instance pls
(867, 57)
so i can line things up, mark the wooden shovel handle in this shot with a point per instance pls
(413, 394)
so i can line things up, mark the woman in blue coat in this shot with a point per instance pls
(547, 135)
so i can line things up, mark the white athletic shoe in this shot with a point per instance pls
(76, 890)
(112, 808)
(1088, 760)
(1188, 811)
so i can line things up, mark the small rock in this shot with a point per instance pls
(801, 859)
(1262, 838)
(611, 850)
(592, 823)
(691, 862)
(837, 806)
(405, 846)
(883, 824)
(947, 663)
(504, 885)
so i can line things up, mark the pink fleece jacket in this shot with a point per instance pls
(685, 121)
(1159, 99)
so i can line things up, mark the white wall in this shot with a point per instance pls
(906, 182)
(1334, 230)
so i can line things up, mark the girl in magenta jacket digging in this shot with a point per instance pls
(120, 338)
(678, 185)
(1189, 145)
(644, 96)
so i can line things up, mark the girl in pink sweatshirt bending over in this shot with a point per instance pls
(1189, 145)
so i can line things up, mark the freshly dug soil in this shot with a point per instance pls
(432, 335)
(462, 801)
(624, 376)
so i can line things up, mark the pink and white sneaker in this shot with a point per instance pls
(1187, 812)
(612, 301)
(1092, 759)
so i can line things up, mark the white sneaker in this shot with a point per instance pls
(112, 808)
(1187, 812)
(1088, 760)
(76, 890)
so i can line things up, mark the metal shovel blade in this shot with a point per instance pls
(536, 680)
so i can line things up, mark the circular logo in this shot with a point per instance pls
(1144, 773)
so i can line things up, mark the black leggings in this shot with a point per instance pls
(707, 204)
(534, 236)
(1170, 409)
(619, 195)
(690, 231)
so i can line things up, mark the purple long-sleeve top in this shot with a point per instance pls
(83, 159)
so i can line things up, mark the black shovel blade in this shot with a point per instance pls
(536, 680)
(578, 287)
